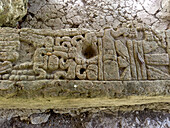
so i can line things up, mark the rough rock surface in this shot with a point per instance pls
(12, 11)
(96, 14)
(107, 118)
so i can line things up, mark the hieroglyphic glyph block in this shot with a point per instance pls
(128, 53)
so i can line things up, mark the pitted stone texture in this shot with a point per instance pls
(12, 11)
(96, 14)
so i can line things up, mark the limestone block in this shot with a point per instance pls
(9, 56)
(8, 36)
(9, 45)
(12, 11)
(37, 40)
(108, 43)
(136, 57)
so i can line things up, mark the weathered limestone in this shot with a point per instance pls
(12, 11)
(91, 63)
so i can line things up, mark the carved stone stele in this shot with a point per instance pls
(131, 54)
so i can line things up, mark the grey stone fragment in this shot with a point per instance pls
(39, 118)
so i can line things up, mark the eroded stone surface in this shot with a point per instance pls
(12, 11)
(107, 60)
(133, 52)
(96, 14)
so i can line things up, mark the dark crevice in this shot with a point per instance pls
(61, 78)
(31, 14)
(75, 26)
(82, 70)
(89, 52)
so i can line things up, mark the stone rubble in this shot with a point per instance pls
(90, 118)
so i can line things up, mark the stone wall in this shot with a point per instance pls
(96, 14)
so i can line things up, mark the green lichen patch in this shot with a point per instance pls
(157, 102)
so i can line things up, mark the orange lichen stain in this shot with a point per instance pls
(49, 53)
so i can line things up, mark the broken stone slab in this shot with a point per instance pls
(12, 11)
